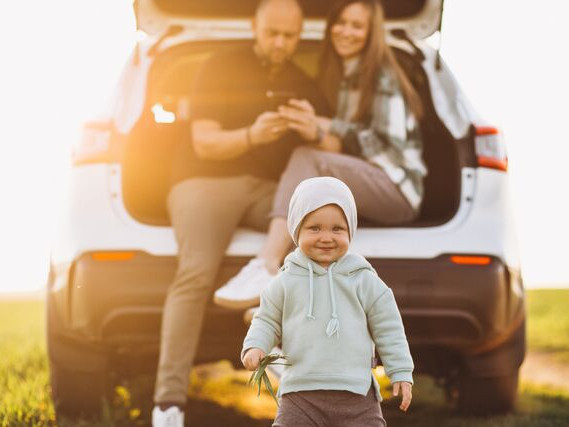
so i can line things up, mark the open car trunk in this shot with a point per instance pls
(165, 125)
(418, 18)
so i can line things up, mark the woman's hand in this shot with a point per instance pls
(301, 118)
(406, 397)
(302, 105)
(252, 358)
(324, 123)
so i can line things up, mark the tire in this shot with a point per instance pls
(486, 396)
(488, 382)
(77, 393)
(79, 372)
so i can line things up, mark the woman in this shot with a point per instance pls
(373, 143)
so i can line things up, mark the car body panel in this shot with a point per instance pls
(96, 219)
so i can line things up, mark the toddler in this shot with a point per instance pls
(329, 310)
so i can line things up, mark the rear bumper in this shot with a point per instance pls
(468, 308)
(465, 309)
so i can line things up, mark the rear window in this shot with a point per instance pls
(394, 9)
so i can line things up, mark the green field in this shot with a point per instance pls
(548, 326)
(24, 380)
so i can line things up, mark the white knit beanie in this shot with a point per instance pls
(312, 194)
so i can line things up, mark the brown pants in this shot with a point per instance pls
(329, 408)
(377, 197)
(204, 213)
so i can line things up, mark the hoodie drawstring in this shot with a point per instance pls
(333, 327)
(334, 324)
(309, 315)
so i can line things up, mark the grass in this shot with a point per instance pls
(548, 326)
(220, 394)
(25, 396)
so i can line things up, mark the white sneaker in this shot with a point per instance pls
(171, 417)
(244, 290)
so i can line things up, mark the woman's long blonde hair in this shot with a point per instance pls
(376, 55)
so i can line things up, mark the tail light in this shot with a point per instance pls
(490, 148)
(470, 260)
(113, 256)
(94, 144)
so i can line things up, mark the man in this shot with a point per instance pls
(240, 147)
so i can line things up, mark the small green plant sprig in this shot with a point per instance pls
(260, 376)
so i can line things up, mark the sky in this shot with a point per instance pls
(62, 57)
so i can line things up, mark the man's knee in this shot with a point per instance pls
(191, 195)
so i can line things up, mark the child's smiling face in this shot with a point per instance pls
(324, 236)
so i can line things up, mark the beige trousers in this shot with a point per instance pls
(204, 213)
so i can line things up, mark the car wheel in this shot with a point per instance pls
(79, 372)
(77, 393)
(484, 396)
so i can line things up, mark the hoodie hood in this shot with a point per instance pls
(298, 263)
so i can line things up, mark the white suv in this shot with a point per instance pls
(455, 271)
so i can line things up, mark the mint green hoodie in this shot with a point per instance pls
(328, 322)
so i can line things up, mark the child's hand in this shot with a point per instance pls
(252, 358)
(406, 394)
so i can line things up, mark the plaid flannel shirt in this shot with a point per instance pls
(391, 139)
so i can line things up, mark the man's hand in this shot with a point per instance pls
(302, 105)
(252, 358)
(406, 394)
(268, 127)
(301, 118)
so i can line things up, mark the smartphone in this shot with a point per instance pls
(279, 97)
